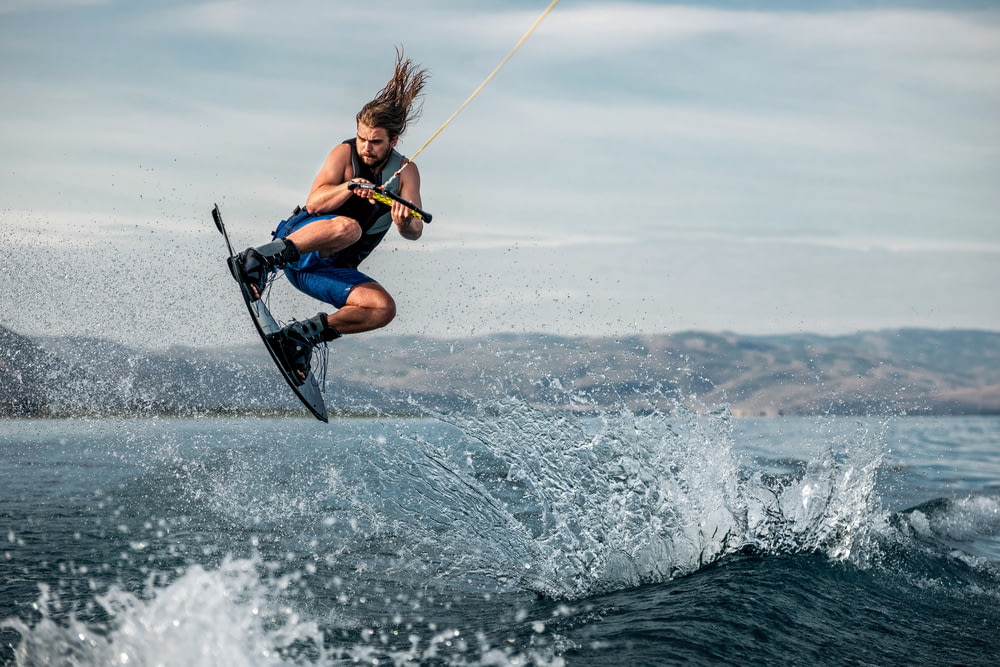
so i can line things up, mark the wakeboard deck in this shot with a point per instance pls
(309, 391)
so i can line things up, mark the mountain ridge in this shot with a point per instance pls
(896, 371)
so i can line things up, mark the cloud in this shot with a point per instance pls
(38, 6)
(832, 240)
(629, 147)
(603, 28)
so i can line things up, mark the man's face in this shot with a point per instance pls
(374, 144)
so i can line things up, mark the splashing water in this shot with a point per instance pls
(573, 506)
(415, 541)
(230, 617)
(219, 617)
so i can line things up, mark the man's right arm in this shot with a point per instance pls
(329, 189)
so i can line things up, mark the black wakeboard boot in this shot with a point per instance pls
(296, 342)
(253, 266)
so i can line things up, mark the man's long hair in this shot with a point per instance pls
(396, 105)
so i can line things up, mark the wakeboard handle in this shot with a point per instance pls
(387, 198)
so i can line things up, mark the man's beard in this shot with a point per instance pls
(374, 161)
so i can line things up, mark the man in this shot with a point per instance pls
(321, 246)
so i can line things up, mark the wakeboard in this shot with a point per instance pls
(308, 391)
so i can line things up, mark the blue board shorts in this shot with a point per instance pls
(317, 276)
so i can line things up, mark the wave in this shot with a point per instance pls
(567, 506)
(571, 506)
(235, 616)
(204, 617)
(946, 544)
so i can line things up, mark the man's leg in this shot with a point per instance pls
(327, 236)
(368, 307)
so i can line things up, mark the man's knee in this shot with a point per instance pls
(326, 236)
(345, 232)
(384, 311)
(373, 305)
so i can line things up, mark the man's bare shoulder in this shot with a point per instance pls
(337, 165)
(409, 171)
(340, 152)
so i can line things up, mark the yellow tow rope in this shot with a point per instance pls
(503, 62)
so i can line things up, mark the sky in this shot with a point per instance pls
(635, 168)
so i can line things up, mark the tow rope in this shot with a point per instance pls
(476, 92)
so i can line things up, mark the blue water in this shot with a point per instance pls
(506, 537)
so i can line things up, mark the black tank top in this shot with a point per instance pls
(366, 213)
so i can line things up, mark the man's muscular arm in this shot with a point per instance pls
(329, 188)
(410, 227)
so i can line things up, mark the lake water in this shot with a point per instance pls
(506, 537)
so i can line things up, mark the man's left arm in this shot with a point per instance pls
(410, 226)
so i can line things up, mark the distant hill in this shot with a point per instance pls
(914, 371)
(25, 370)
(908, 370)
